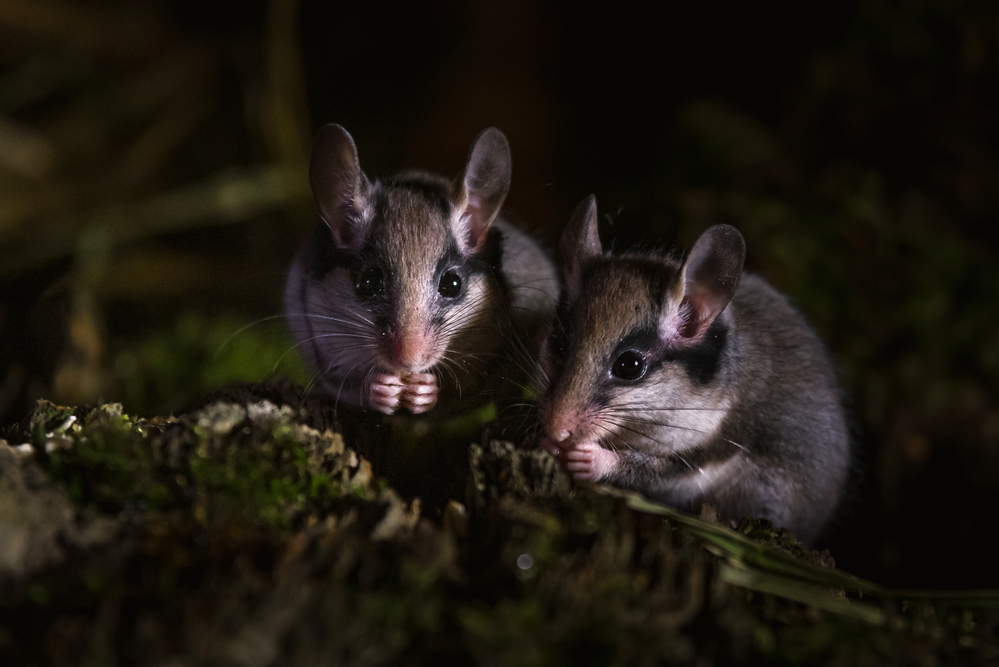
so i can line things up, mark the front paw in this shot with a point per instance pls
(588, 462)
(386, 393)
(419, 394)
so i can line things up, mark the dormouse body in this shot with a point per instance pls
(411, 289)
(691, 382)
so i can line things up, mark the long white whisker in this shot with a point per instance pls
(228, 340)
(651, 439)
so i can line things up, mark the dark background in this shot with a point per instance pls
(152, 191)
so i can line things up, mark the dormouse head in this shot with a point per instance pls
(636, 334)
(414, 252)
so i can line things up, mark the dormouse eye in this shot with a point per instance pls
(629, 366)
(370, 282)
(450, 285)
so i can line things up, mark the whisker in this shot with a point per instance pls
(615, 435)
(688, 428)
(269, 318)
(329, 318)
(644, 407)
(654, 440)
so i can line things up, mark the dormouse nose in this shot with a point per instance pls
(566, 418)
(409, 349)
(561, 425)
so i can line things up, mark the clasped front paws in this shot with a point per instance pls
(584, 461)
(417, 392)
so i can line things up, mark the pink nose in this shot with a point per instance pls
(564, 424)
(398, 350)
(408, 349)
(561, 426)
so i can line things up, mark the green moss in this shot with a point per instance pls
(101, 457)
(231, 469)
(263, 525)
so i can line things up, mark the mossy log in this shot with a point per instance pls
(253, 532)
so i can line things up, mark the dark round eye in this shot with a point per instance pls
(370, 282)
(450, 285)
(629, 366)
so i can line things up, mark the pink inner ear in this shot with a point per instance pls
(684, 325)
(473, 229)
(690, 321)
(344, 224)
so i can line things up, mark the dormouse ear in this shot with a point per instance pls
(711, 275)
(338, 185)
(580, 242)
(478, 193)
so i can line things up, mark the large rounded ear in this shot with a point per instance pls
(480, 190)
(580, 241)
(711, 275)
(338, 185)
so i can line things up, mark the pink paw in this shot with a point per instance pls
(419, 394)
(589, 462)
(386, 393)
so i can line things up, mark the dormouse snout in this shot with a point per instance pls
(411, 350)
(565, 425)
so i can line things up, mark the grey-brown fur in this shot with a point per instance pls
(743, 411)
(411, 231)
